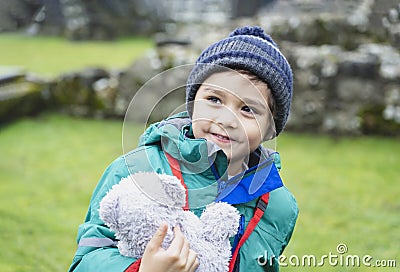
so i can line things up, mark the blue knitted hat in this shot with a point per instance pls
(251, 49)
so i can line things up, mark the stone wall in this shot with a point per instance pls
(109, 19)
(20, 95)
(345, 57)
(346, 92)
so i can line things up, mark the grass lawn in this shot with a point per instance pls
(48, 169)
(347, 191)
(51, 56)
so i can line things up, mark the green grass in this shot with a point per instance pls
(51, 56)
(347, 191)
(48, 170)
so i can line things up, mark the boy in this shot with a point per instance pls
(238, 95)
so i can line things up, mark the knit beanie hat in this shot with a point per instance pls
(251, 49)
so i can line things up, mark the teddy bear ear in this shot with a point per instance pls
(164, 189)
(109, 207)
(220, 221)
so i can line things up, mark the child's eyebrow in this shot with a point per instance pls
(214, 89)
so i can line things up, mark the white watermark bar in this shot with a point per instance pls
(338, 258)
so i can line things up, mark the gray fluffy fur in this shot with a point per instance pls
(136, 207)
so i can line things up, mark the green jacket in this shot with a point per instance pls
(174, 136)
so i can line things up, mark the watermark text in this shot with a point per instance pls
(338, 258)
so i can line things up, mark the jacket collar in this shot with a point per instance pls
(175, 137)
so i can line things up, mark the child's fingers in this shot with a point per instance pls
(185, 250)
(157, 239)
(178, 242)
(192, 261)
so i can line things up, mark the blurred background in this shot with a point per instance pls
(345, 55)
(70, 68)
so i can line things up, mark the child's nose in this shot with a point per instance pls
(227, 118)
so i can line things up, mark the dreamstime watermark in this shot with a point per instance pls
(338, 258)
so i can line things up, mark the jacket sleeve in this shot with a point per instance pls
(89, 256)
(291, 223)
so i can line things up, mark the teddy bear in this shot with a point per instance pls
(136, 206)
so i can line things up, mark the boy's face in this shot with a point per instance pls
(232, 112)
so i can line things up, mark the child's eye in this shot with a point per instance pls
(214, 99)
(247, 109)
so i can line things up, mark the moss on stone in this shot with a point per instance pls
(373, 122)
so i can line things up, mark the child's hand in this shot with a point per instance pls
(178, 256)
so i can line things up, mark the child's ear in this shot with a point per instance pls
(270, 134)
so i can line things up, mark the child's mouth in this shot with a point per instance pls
(221, 138)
